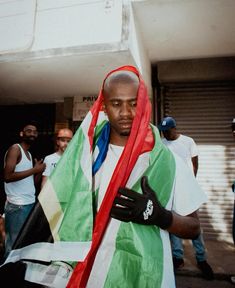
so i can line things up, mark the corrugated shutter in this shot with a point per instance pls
(205, 113)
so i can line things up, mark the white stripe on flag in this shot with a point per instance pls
(104, 256)
(86, 161)
(55, 275)
(58, 251)
(51, 205)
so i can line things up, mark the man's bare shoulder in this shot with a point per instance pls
(13, 149)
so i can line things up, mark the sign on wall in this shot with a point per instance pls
(81, 106)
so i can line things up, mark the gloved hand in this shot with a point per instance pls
(141, 208)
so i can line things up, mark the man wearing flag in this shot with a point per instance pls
(103, 218)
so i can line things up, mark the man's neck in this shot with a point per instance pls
(174, 137)
(177, 136)
(120, 141)
(59, 152)
(25, 146)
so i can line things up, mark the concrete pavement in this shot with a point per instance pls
(197, 282)
(220, 256)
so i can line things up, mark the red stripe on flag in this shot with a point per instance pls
(95, 109)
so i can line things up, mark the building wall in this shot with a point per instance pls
(44, 24)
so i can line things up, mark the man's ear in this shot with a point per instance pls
(21, 134)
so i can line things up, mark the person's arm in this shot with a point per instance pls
(44, 179)
(146, 209)
(46, 173)
(187, 227)
(12, 158)
(195, 165)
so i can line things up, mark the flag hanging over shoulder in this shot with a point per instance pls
(66, 242)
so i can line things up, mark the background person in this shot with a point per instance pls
(19, 184)
(186, 148)
(63, 138)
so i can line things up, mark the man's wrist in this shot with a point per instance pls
(167, 220)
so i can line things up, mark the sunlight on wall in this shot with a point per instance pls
(216, 175)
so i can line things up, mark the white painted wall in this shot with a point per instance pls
(16, 25)
(138, 50)
(69, 23)
(30, 25)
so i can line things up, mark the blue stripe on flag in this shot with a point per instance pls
(102, 143)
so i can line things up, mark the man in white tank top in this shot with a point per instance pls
(19, 183)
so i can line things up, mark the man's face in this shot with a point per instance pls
(29, 134)
(62, 143)
(120, 103)
(170, 134)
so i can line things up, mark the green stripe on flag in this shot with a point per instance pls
(98, 130)
(137, 259)
(73, 191)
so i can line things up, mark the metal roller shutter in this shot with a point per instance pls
(205, 113)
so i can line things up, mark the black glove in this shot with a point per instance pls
(141, 208)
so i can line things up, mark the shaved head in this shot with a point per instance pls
(123, 77)
(65, 133)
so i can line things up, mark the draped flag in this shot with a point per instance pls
(66, 243)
